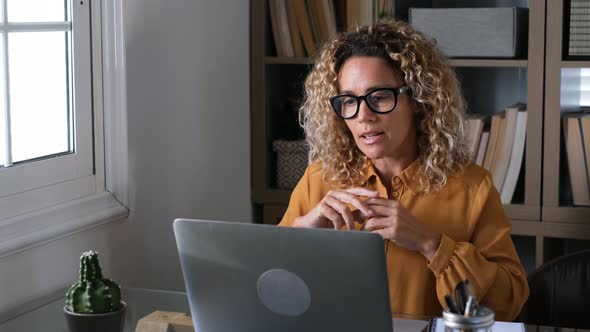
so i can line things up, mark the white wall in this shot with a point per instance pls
(189, 148)
(45, 271)
(189, 123)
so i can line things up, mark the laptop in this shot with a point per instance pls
(252, 277)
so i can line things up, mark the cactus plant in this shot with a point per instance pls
(93, 294)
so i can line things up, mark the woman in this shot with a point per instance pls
(383, 116)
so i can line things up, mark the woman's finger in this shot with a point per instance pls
(386, 211)
(351, 198)
(359, 216)
(376, 223)
(359, 191)
(383, 233)
(342, 209)
(329, 213)
(382, 201)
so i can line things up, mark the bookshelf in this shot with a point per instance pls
(562, 93)
(490, 85)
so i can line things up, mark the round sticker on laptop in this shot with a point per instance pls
(283, 292)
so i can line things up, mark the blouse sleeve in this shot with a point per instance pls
(489, 260)
(299, 203)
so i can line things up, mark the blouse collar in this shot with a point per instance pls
(407, 176)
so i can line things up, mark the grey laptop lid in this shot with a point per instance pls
(249, 277)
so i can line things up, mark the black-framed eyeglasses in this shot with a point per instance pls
(380, 100)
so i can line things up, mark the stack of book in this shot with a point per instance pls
(579, 30)
(576, 131)
(300, 27)
(500, 148)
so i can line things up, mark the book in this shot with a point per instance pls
(504, 145)
(294, 30)
(276, 31)
(516, 158)
(474, 130)
(304, 27)
(385, 9)
(279, 20)
(320, 33)
(329, 17)
(352, 14)
(495, 128)
(285, 32)
(481, 150)
(576, 159)
(585, 122)
(340, 15)
(366, 12)
(318, 19)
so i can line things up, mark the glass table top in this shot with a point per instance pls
(142, 302)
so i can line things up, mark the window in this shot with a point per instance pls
(46, 106)
(585, 87)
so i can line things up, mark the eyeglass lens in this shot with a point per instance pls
(380, 101)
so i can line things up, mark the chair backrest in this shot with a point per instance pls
(560, 293)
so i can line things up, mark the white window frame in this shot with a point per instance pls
(71, 172)
(96, 192)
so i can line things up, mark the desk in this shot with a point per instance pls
(141, 302)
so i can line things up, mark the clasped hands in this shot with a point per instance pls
(383, 216)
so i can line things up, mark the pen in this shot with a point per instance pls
(453, 307)
(468, 291)
(461, 296)
(470, 306)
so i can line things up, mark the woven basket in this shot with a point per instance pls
(291, 162)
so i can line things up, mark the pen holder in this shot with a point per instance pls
(482, 321)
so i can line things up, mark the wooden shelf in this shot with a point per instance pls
(567, 214)
(271, 196)
(551, 229)
(527, 228)
(523, 212)
(495, 63)
(566, 230)
(273, 60)
(575, 64)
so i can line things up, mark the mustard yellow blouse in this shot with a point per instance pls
(475, 243)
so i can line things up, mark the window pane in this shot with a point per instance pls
(37, 10)
(39, 98)
(585, 87)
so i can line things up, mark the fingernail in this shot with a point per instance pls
(369, 212)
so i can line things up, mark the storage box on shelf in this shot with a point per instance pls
(475, 32)
(576, 23)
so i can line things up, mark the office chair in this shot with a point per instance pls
(560, 293)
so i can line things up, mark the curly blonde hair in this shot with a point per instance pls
(436, 93)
